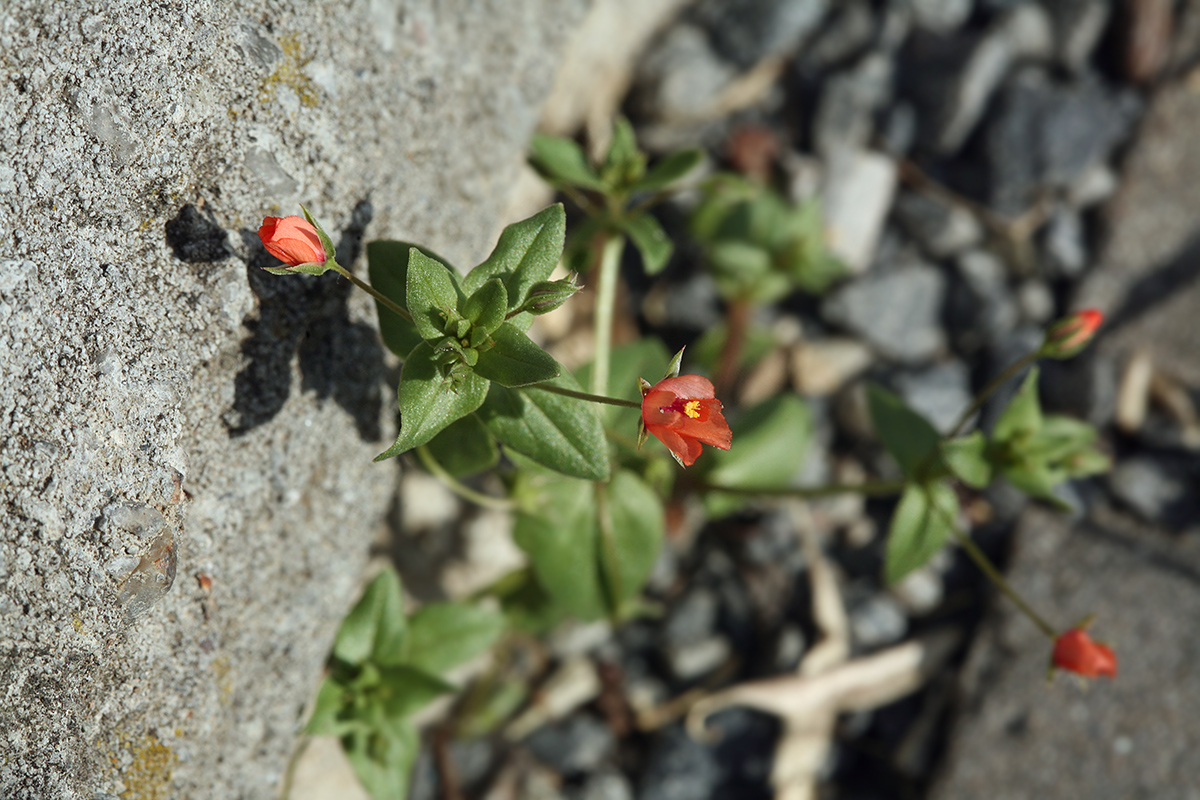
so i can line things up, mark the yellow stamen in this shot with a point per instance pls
(692, 409)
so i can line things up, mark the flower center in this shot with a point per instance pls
(692, 409)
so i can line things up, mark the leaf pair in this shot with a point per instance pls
(386, 668)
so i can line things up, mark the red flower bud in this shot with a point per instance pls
(1075, 651)
(682, 413)
(293, 240)
(1069, 335)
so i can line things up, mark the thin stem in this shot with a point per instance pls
(456, 486)
(996, 382)
(868, 488)
(591, 398)
(366, 287)
(987, 568)
(737, 317)
(606, 300)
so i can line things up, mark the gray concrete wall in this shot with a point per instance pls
(167, 407)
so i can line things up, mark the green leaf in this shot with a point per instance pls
(431, 400)
(466, 447)
(432, 295)
(525, 255)
(1024, 413)
(630, 538)
(562, 162)
(387, 268)
(920, 526)
(624, 164)
(558, 432)
(669, 169)
(966, 457)
(405, 690)
(330, 698)
(907, 435)
(442, 636)
(374, 629)
(487, 306)
(383, 759)
(561, 542)
(1035, 478)
(771, 444)
(651, 241)
(514, 360)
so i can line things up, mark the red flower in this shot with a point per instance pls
(682, 413)
(292, 240)
(1075, 651)
(1069, 335)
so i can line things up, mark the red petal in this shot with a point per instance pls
(691, 387)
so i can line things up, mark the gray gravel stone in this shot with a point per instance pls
(1065, 243)
(847, 33)
(941, 229)
(1078, 26)
(849, 102)
(679, 768)
(983, 309)
(941, 16)
(1162, 489)
(579, 743)
(748, 31)
(940, 392)
(692, 618)
(877, 620)
(680, 75)
(146, 358)
(896, 312)
(605, 784)
(857, 193)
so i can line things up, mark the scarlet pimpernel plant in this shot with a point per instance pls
(477, 394)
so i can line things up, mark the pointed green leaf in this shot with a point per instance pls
(442, 636)
(374, 629)
(487, 306)
(383, 759)
(966, 457)
(562, 162)
(559, 432)
(1024, 412)
(624, 164)
(651, 241)
(920, 526)
(526, 254)
(404, 690)
(430, 400)
(561, 542)
(514, 360)
(669, 170)
(630, 538)
(770, 446)
(330, 697)
(907, 435)
(387, 268)
(432, 295)
(466, 447)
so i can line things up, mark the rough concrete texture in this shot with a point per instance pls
(1146, 278)
(1133, 738)
(169, 411)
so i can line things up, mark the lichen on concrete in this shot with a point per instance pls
(224, 417)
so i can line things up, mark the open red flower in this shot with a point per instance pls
(682, 413)
(1075, 651)
(293, 240)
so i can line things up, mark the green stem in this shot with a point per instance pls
(1012, 370)
(591, 398)
(868, 488)
(987, 568)
(606, 300)
(366, 287)
(454, 485)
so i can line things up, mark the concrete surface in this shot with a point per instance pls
(170, 412)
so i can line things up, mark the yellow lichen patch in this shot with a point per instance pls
(692, 409)
(148, 774)
(289, 72)
(79, 627)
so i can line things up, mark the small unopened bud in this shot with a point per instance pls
(1068, 336)
(546, 296)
